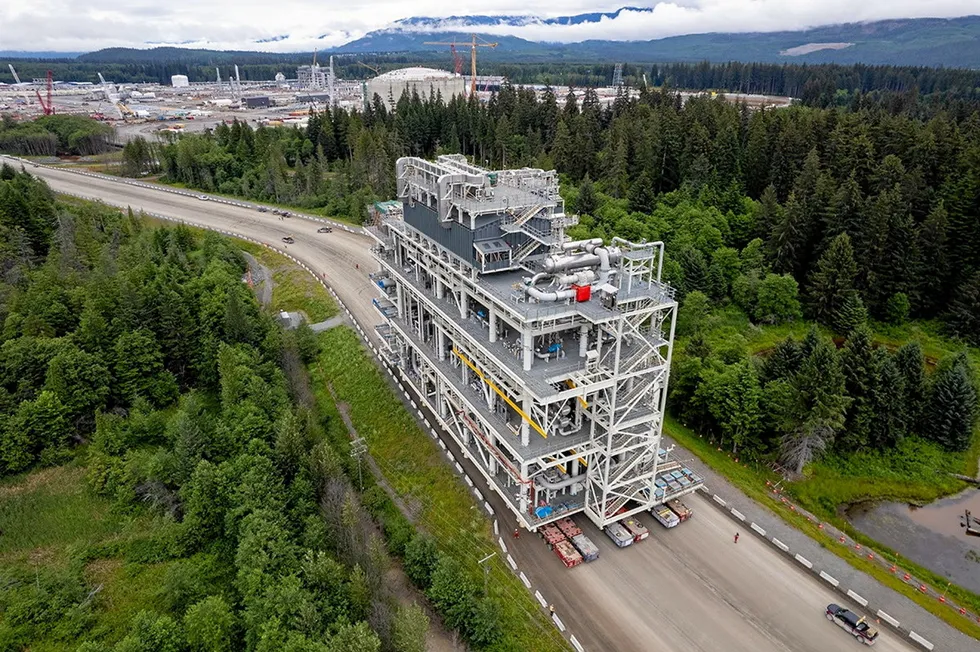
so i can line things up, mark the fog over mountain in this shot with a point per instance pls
(300, 25)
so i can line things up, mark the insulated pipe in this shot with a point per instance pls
(555, 486)
(540, 296)
(569, 246)
(584, 277)
(557, 263)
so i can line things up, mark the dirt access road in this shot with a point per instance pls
(690, 588)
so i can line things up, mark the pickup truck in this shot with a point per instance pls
(853, 624)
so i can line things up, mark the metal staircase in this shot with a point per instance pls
(522, 219)
(525, 250)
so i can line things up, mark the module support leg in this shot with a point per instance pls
(528, 344)
(525, 426)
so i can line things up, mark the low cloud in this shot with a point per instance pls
(64, 25)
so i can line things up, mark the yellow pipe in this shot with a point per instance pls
(559, 465)
(500, 393)
(580, 399)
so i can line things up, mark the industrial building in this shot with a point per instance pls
(546, 359)
(179, 81)
(390, 85)
(257, 102)
(314, 76)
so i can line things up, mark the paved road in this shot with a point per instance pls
(690, 588)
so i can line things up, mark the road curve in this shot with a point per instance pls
(688, 589)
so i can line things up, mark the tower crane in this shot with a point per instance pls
(474, 44)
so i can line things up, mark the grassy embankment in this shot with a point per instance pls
(915, 472)
(53, 523)
(435, 498)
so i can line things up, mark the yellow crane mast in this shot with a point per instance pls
(474, 44)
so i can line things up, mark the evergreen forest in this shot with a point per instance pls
(53, 135)
(167, 482)
(843, 217)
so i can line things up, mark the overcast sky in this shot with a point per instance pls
(84, 25)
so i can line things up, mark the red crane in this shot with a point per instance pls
(457, 60)
(48, 107)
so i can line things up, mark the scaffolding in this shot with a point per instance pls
(547, 359)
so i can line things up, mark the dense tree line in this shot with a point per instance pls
(838, 215)
(195, 405)
(814, 84)
(808, 397)
(861, 205)
(52, 135)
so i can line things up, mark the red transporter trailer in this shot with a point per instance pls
(637, 529)
(552, 534)
(567, 553)
(568, 527)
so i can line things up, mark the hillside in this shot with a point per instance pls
(938, 42)
(927, 41)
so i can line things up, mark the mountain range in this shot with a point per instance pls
(952, 42)
(923, 41)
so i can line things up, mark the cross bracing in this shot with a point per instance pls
(552, 377)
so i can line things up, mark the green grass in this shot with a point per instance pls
(436, 498)
(916, 471)
(127, 588)
(51, 519)
(293, 287)
(49, 510)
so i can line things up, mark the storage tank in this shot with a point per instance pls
(179, 81)
(391, 85)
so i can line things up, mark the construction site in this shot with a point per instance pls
(546, 359)
(149, 108)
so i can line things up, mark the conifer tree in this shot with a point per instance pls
(952, 408)
(833, 280)
(888, 427)
(860, 373)
(850, 315)
(783, 362)
(911, 366)
(814, 410)
(932, 269)
(964, 311)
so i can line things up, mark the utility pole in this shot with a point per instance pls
(358, 448)
(486, 572)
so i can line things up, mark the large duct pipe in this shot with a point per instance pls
(561, 484)
(559, 263)
(576, 244)
(445, 183)
(560, 295)
(576, 278)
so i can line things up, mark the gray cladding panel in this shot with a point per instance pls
(456, 238)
